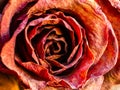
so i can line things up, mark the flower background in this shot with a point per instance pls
(110, 81)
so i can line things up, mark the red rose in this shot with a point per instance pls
(58, 43)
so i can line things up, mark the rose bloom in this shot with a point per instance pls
(60, 44)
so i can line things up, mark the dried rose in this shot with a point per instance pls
(58, 43)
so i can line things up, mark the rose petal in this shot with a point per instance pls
(93, 83)
(108, 59)
(113, 16)
(95, 24)
(28, 43)
(74, 25)
(39, 70)
(21, 49)
(7, 54)
(79, 75)
(10, 9)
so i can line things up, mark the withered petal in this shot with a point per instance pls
(11, 8)
(109, 57)
(79, 75)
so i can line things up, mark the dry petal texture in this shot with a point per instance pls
(111, 9)
(58, 43)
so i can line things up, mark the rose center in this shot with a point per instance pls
(55, 46)
(55, 41)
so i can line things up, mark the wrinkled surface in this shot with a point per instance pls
(68, 44)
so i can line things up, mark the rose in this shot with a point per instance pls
(88, 35)
(47, 43)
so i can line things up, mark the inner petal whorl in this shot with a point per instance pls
(56, 40)
(55, 45)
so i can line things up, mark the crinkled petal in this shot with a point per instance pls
(108, 59)
(79, 75)
(11, 8)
